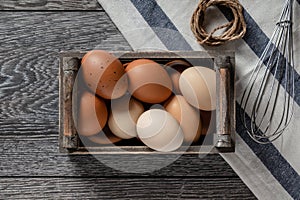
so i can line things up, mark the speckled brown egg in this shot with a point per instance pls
(104, 74)
(92, 114)
(148, 81)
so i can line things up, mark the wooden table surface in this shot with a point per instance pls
(31, 35)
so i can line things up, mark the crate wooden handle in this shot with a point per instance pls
(70, 69)
(225, 97)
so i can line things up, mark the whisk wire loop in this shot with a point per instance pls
(270, 110)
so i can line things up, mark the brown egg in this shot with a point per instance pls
(92, 115)
(148, 81)
(104, 137)
(187, 116)
(174, 69)
(125, 65)
(206, 121)
(104, 74)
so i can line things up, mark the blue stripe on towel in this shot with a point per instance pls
(161, 25)
(268, 154)
(272, 159)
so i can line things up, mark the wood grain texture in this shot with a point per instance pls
(29, 60)
(49, 5)
(137, 188)
(38, 156)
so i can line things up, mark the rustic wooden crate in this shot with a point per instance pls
(224, 138)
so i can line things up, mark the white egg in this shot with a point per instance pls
(123, 117)
(159, 130)
(198, 86)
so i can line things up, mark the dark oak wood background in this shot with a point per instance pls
(32, 32)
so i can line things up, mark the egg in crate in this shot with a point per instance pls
(124, 114)
(148, 81)
(198, 86)
(207, 121)
(92, 114)
(174, 69)
(159, 130)
(187, 116)
(104, 137)
(104, 74)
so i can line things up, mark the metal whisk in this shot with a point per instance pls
(270, 111)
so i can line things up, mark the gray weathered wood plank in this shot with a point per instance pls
(39, 156)
(49, 5)
(136, 188)
(29, 48)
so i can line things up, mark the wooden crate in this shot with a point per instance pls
(222, 141)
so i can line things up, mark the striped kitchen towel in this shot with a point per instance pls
(270, 171)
